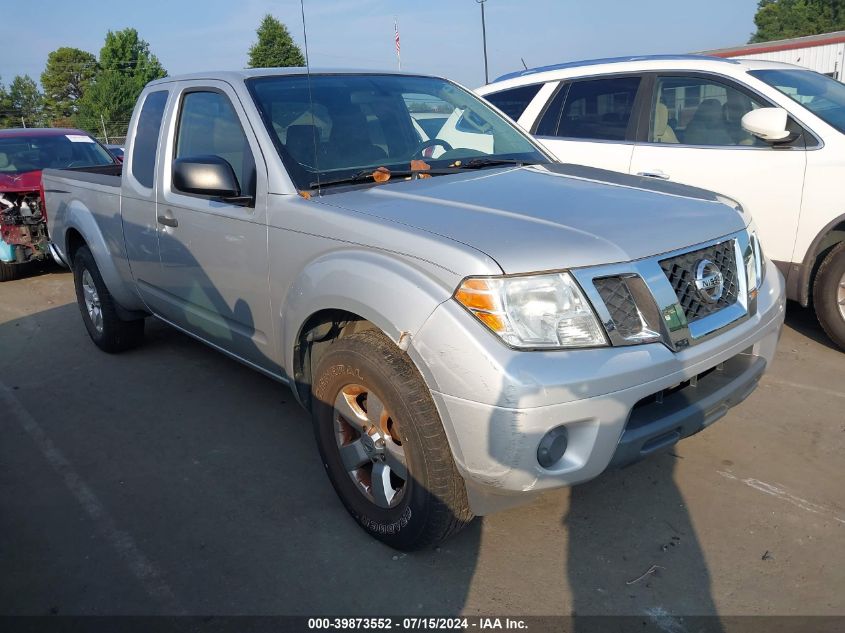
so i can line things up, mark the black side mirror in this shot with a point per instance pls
(207, 176)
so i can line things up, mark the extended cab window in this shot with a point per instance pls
(208, 125)
(700, 111)
(598, 109)
(514, 101)
(146, 137)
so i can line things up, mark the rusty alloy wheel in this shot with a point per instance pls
(369, 447)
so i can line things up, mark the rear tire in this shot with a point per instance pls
(10, 271)
(99, 310)
(829, 295)
(390, 409)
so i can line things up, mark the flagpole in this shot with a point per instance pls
(396, 41)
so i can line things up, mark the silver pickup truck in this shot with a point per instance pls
(469, 322)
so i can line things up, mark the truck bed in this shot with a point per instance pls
(108, 175)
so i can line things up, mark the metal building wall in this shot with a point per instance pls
(828, 59)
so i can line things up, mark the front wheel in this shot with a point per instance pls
(383, 444)
(99, 311)
(829, 295)
(9, 271)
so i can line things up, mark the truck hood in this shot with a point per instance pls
(547, 217)
(26, 181)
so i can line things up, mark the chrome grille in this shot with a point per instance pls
(680, 271)
(621, 305)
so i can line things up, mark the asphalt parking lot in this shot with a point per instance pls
(173, 480)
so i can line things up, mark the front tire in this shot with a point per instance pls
(383, 444)
(829, 295)
(9, 271)
(99, 310)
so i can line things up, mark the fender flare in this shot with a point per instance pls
(386, 290)
(110, 258)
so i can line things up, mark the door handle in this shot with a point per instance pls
(166, 221)
(653, 174)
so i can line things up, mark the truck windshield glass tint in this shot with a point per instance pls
(347, 123)
(146, 137)
(20, 154)
(823, 96)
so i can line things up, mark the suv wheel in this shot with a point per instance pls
(98, 308)
(829, 295)
(383, 444)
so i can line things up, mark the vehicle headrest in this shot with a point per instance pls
(4, 160)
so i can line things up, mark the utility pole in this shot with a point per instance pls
(23, 123)
(105, 134)
(484, 39)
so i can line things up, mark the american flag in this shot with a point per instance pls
(396, 41)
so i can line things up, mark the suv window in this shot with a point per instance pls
(146, 137)
(699, 111)
(598, 109)
(514, 101)
(208, 125)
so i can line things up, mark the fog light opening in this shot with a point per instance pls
(552, 447)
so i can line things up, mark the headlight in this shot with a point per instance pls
(754, 264)
(533, 311)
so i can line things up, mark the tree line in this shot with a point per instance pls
(98, 93)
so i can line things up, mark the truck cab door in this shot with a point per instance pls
(212, 279)
(694, 137)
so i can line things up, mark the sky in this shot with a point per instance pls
(438, 36)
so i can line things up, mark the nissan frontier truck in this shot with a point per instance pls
(469, 322)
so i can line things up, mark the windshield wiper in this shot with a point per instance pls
(366, 175)
(478, 163)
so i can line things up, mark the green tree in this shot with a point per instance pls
(68, 74)
(5, 107)
(275, 47)
(125, 66)
(781, 19)
(27, 103)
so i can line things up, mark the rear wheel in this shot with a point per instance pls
(99, 310)
(829, 295)
(383, 444)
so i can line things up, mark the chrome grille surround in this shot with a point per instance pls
(657, 303)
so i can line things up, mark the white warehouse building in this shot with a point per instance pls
(823, 53)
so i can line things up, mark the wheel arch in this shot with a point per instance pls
(346, 292)
(827, 239)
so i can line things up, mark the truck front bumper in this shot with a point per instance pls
(617, 404)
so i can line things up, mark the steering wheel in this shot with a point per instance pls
(432, 142)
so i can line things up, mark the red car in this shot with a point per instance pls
(24, 152)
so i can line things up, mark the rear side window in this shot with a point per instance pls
(598, 109)
(146, 137)
(208, 124)
(514, 101)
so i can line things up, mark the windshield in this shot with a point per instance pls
(19, 154)
(821, 95)
(358, 122)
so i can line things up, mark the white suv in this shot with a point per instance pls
(769, 135)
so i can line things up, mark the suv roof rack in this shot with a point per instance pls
(610, 60)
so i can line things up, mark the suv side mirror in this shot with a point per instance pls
(206, 176)
(768, 124)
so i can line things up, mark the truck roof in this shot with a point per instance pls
(248, 73)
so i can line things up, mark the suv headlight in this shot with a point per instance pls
(533, 311)
(754, 264)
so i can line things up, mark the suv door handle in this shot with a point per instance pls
(653, 174)
(166, 221)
